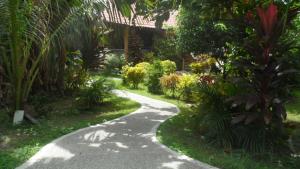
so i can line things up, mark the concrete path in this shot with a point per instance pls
(125, 143)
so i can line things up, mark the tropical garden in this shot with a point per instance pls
(238, 91)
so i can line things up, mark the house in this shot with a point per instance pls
(135, 34)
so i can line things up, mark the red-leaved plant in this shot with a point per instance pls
(263, 74)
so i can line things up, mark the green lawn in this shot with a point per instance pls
(179, 134)
(293, 108)
(18, 144)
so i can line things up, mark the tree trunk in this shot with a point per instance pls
(61, 72)
(126, 43)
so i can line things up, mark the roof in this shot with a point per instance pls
(139, 21)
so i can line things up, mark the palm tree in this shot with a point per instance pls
(26, 33)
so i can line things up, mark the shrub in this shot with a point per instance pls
(95, 93)
(144, 65)
(124, 74)
(186, 86)
(154, 74)
(165, 47)
(214, 114)
(133, 75)
(149, 56)
(169, 83)
(168, 67)
(75, 75)
(114, 63)
(202, 66)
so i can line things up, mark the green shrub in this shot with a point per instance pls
(133, 75)
(124, 74)
(169, 83)
(186, 86)
(144, 65)
(168, 67)
(114, 63)
(202, 66)
(214, 115)
(75, 74)
(95, 93)
(165, 47)
(154, 74)
(149, 56)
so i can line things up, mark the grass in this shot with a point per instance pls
(179, 134)
(293, 108)
(21, 142)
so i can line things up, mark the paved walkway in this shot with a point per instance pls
(125, 143)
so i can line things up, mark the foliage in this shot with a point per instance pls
(114, 63)
(168, 67)
(187, 86)
(143, 65)
(75, 76)
(263, 74)
(169, 83)
(214, 116)
(32, 44)
(133, 75)
(183, 133)
(95, 93)
(204, 65)
(154, 74)
(165, 47)
(91, 38)
(213, 33)
(21, 142)
(4, 117)
(26, 26)
(149, 56)
(180, 134)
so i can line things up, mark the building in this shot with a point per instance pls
(135, 35)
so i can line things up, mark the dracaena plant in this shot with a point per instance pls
(262, 72)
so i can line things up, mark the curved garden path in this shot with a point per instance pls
(125, 143)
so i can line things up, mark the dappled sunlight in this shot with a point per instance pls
(129, 141)
(172, 165)
(97, 136)
(121, 145)
(49, 153)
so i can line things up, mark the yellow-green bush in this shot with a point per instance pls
(169, 83)
(133, 75)
(144, 65)
(202, 66)
(168, 67)
(186, 86)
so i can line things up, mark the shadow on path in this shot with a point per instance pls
(125, 143)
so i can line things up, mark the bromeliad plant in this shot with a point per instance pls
(261, 71)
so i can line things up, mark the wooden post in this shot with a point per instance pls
(126, 42)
